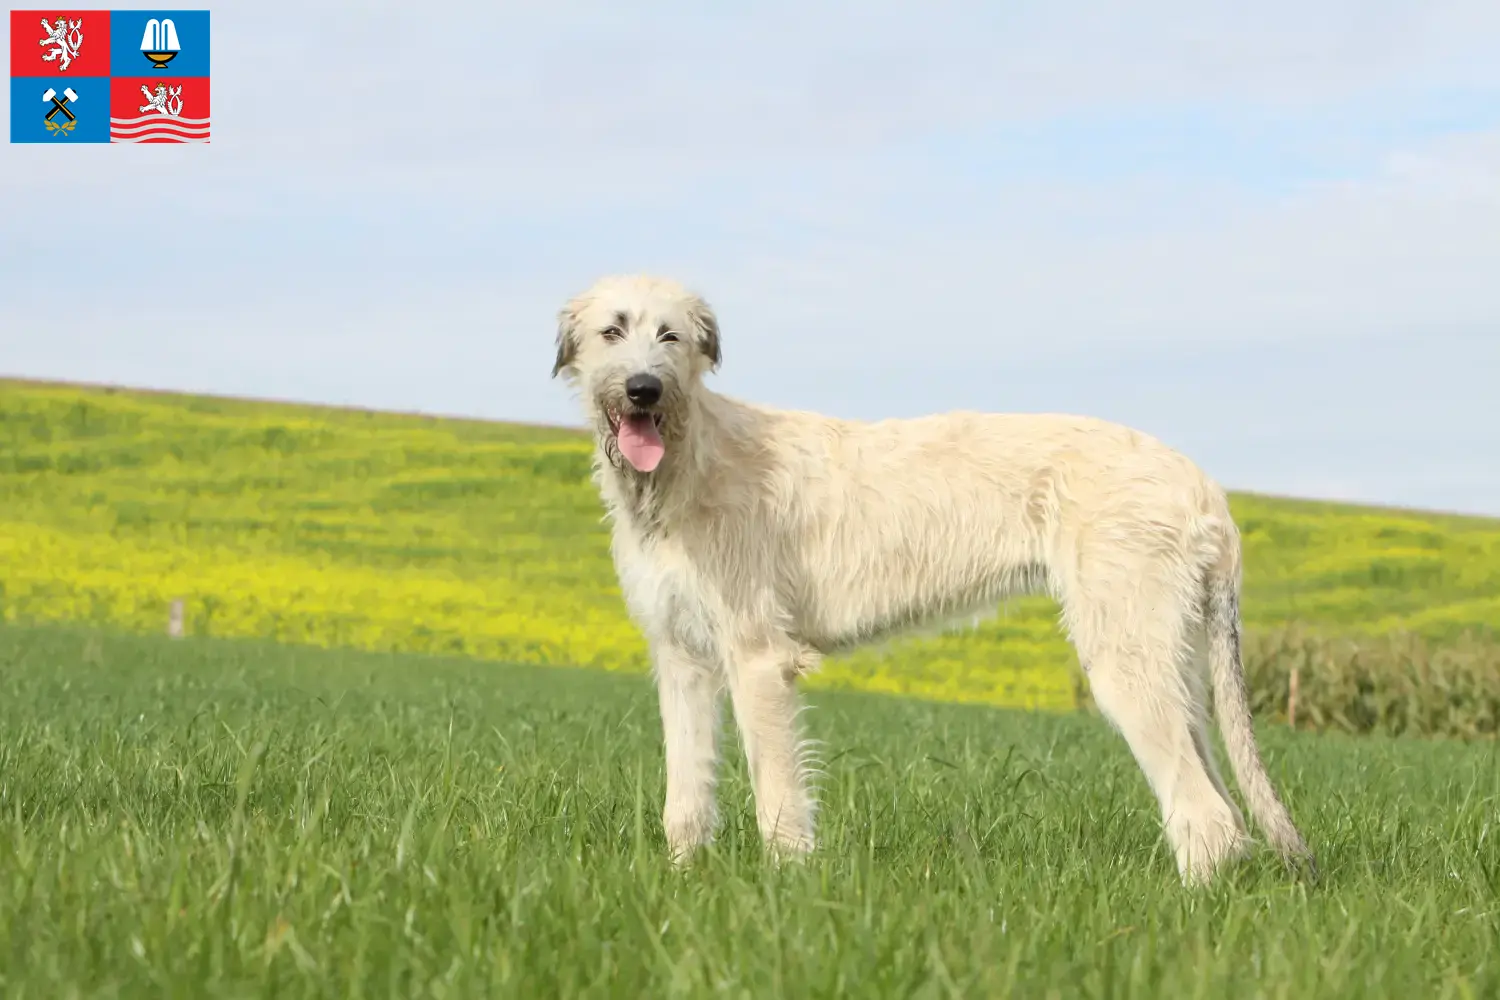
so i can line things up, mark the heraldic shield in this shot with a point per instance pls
(59, 112)
(158, 109)
(64, 45)
(109, 76)
(163, 43)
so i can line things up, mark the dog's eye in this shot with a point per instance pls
(612, 333)
(668, 337)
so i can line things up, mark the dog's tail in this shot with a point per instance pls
(1232, 705)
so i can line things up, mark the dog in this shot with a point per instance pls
(750, 542)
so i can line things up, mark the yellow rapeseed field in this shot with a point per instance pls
(396, 532)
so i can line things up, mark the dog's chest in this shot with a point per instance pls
(668, 595)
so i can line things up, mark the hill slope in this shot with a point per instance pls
(396, 532)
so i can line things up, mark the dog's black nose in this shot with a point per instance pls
(643, 390)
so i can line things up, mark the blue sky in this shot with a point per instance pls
(1269, 235)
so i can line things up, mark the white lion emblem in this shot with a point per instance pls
(67, 36)
(167, 101)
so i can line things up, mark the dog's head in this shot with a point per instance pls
(636, 347)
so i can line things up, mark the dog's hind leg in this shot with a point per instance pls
(690, 695)
(762, 687)
(1138, 664)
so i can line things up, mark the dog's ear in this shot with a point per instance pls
(705, 330)
(568, 320)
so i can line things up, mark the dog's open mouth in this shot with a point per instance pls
(639, 438)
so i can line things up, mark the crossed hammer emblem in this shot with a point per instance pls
(61, 105)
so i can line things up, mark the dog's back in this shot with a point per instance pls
(898, 523)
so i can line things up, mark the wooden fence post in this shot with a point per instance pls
(174, 620)
(1291, 699)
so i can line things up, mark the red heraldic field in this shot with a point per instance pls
(158, 109)
(59, 43)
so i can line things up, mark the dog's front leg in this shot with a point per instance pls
(761, 684)
(690, 692)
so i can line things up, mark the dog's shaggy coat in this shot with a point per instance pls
(750, 541)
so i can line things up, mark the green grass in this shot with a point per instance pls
(211, 818)
(390, 532)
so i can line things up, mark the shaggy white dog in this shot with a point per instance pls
(749, 541)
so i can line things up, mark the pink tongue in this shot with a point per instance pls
(640, 444)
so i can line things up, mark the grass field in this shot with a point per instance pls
(211, 818)
(389, 532)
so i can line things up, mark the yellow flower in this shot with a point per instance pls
(389, 532)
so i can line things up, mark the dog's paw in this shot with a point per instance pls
(685, 837)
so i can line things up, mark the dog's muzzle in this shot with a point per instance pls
(636, 425)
